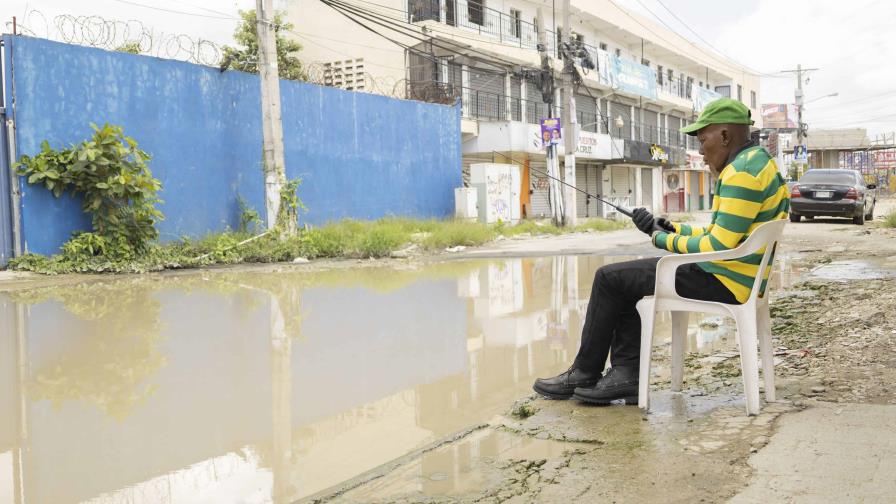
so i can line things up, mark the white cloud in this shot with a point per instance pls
(850, 42)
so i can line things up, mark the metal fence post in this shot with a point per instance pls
(501, 27)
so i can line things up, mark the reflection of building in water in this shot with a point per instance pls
(237, 406)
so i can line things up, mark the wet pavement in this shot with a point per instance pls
(278, 386)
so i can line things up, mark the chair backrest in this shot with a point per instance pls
(766, 235)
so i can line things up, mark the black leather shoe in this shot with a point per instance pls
(563, 385)
(618, 386)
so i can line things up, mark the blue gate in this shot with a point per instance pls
(6, 233)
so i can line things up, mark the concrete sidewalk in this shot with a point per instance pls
(837, 453)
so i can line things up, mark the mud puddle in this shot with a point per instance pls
(852, 270)
(272, 387)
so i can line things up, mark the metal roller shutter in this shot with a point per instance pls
(535, 107)
(676, 137)
(624, 111)
(621, 179)
(539, 201)
(515, 90)
(586, 112)
(647, 188)
(486, 94)
(587, 179)
(650, 127)
(581, 181)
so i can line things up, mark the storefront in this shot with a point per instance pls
(688, 187)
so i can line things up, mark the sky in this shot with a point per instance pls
(849, 42)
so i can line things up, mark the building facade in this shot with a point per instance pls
(851, 149)
(639, 84)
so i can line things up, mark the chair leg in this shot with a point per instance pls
(646, 311)
(746, 328)
(679, 340)
(766, 351)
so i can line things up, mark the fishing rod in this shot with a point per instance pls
(623, 210)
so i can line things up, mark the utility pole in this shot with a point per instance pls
(272, 125)
(801, 127)
(546, 86)
(570, 123)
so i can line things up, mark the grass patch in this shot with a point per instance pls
(345, 239)
(603, 225)
(890, 220)
(458, 232)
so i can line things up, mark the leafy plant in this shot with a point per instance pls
(129, 47)
(110, 174)
(246, 58)
(290, 204)
(250, 220)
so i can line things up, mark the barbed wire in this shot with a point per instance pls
(133, 36)
(116, 35)
(320, 73)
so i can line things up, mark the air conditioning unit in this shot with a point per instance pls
(673, 181)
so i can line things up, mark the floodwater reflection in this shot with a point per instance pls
(273, 386)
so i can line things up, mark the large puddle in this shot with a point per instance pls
(260, 387)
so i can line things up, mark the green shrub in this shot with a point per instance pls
(117, 188)
(890, 220)
(458, 232)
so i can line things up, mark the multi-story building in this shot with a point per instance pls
(643, 84)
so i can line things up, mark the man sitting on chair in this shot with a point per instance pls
(749, 192)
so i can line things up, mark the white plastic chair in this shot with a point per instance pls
(752, 318)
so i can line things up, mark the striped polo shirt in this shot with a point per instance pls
(749, 192)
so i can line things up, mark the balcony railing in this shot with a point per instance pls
(489, 106)
(677, 87)
(473, 15)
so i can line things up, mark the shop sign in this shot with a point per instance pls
(658, 154)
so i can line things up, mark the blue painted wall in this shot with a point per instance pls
(360, 155)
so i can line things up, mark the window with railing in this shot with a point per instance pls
(475, 12)
(516, 23)
(422, 10)
(508, 27)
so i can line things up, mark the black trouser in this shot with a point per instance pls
(612, 320)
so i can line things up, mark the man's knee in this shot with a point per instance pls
(626, 275)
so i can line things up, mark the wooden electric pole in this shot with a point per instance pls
(272, 125)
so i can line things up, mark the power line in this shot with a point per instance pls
(865, 98)
(173, 11)
(200, 7)
(708, 44)
(368, 28)
(409, 30)
(343, 54)
(872, 119)
(729, 66)
(857, 112)
(403, 20)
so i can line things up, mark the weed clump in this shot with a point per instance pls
(346, 239)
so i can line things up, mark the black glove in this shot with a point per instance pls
(665, 225)
(647, 224)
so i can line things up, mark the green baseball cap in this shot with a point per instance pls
(721, 111)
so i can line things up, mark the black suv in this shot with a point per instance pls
(836, 193)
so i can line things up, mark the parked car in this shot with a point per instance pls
(835, 193)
